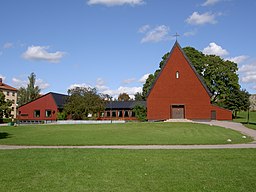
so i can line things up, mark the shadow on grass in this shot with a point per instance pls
(4, 135)
(250, 123)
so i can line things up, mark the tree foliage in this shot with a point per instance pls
(30, 93)
(140, 112)
(83, 101)
(123, 97)
(5, 109)
(138, 97)
(219, 75)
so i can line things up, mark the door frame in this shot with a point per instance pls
(177, 106)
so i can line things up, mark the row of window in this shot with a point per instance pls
(37, 113)
(8, 93)
(119, 114)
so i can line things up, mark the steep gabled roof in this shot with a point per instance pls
(124, 104)
(190, 64)
(60, 99)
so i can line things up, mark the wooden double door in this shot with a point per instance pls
(177, 111)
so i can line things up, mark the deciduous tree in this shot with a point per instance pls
(30, 93)
(83, 101)
(123, 97)
(4, 107)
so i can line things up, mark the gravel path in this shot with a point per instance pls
(230, 125)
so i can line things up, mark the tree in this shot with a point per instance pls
(123, 97)
(237, 101)
(140, 112)
(5, 109)
(30, 93)
(83, 101)
(219, 75)
(138, 97)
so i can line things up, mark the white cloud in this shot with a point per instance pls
(41, 84)
(103, 88)
(249, 78)
(238, 59)
(144, 28)
(197, 19)
(190, 33)
(40, 53)
(144, 78)
(115, 2)
(17, 82)
(214, 49)
(210, 2)
(8, 45)
(3, 77)
(247, 73)
(128, 81)
(157, 34)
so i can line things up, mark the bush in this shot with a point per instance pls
(140, 112)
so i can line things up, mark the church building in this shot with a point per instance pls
(179, 92)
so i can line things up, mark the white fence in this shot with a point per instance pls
(87, 122)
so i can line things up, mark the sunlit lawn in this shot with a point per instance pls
(119, 134)
(98, 170)
(242, 117)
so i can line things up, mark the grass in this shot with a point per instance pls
(101, 170)
(119, 134)
(242, 117)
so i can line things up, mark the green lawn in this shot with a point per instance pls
(119, 134)
(98, 170)
(242, 117)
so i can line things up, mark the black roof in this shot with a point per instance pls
(60, 99)
(124, 104)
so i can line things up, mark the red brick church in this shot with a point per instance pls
(180, 93)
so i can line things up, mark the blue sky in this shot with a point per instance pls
(113, 44)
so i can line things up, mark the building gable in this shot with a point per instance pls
(178, 55)
(178, 91)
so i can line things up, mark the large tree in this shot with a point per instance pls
(218, 74)
(83, 101)
(5, 109)
(30, 93)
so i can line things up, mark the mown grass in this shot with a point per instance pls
(119, 134)
(101, 170)
(242, 117)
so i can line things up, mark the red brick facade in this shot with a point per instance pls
(41, 109)
(178, 92)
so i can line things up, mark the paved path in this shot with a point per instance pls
(235, 126)
(231, 125)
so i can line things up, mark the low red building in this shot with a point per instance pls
(179, 92)
(44, 108)
(121, 110)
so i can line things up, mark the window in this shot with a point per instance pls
(133, 114)
(126, 113)
(8, 93)
(13, 94)
(12, 108)
(48, 113)
(120, 113)
(113, 113)
(36, 113)
(108, 113)
(177, 75)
